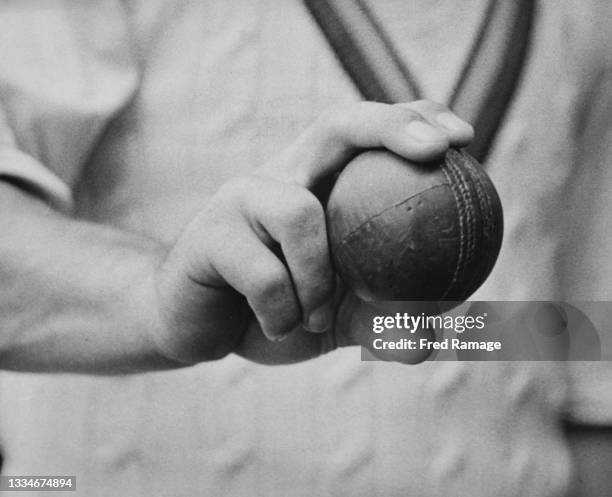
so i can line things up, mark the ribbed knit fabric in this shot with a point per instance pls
(220, 87)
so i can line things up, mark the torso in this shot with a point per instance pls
(225, 86)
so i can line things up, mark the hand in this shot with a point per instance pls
(259, 248)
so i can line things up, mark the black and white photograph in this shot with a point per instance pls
(306, 248)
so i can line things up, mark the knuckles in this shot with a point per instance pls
(272, 284)
(274, 305)
(236, 189)
(425, 105)
(404, 115)
(270, 295)
(295, 211)
(380, 121)
(301, 213)
(338, 119)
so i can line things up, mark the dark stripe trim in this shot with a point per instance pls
(493, 69)
(486, 84)
(364, 50)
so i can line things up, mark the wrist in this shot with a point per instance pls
(194, 322)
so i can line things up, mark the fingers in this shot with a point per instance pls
(459, 132)
(248, 266)
(299, 346)
(294, 218)
(282, 293)
(419, 131)
(235, 241)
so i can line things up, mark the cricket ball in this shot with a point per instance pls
(401, 230)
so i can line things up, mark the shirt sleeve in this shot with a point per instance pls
(66, 69)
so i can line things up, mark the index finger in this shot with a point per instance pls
(331, 141)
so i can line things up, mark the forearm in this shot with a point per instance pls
(74, 296)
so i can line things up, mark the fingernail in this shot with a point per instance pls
(424, 132)
(320, 319)
(453, 123)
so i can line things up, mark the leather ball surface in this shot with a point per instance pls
(400, 230)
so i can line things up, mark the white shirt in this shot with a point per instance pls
(135, 112)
